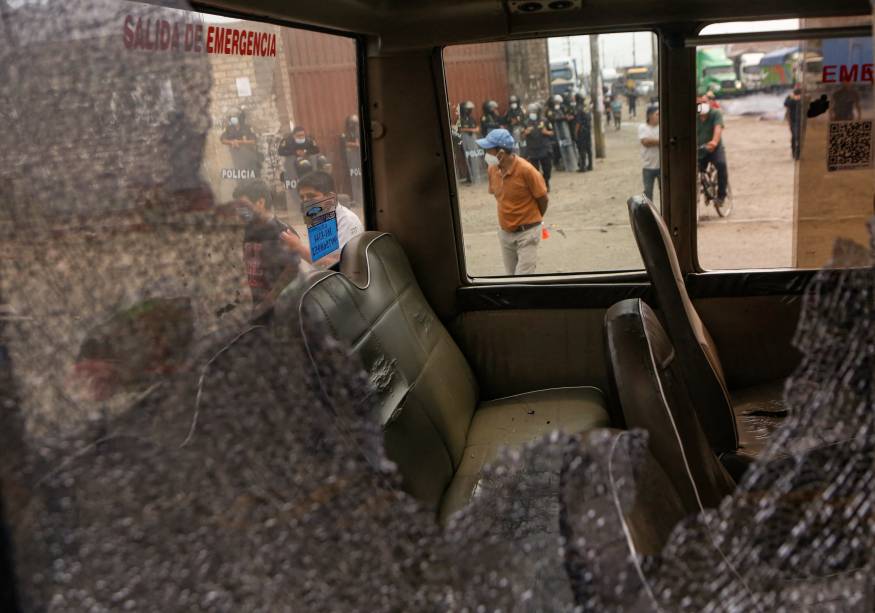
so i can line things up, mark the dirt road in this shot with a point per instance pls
(588, 221)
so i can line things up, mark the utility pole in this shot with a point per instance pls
(654, 61)
(634, 52)
(595, 94)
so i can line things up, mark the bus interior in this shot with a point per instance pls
(347, 305)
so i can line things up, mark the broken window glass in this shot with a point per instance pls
(165, 448)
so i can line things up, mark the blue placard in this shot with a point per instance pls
(323, 236)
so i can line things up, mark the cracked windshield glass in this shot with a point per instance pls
(223, 389)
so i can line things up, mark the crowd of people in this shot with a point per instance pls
(299, 155)
(273, 251)
(519, 150)
(556, 134)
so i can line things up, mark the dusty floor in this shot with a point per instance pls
(589, 224)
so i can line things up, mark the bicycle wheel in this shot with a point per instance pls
(707, 185)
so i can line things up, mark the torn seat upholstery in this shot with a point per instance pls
(435, 428)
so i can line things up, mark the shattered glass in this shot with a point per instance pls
(164, 448)
(797, 533)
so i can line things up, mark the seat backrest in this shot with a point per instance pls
(424, 388)
(697, 352)
(655, 397)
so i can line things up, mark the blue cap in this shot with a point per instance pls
(497, 138)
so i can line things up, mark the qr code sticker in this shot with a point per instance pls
(849, 145)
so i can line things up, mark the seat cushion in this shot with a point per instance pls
(759, 411)
(516, 420)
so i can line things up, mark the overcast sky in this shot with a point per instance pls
(627, 49)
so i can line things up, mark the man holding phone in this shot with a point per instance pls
(315, 187)
(270, 264)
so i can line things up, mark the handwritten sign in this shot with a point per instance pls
(321, 219)
(323, 236)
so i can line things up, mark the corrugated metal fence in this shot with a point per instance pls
(323, 82)
(477, 73)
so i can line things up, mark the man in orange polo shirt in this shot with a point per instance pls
(521, 194)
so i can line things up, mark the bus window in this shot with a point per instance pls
(154, 209)
(784, 137)
(570, 123)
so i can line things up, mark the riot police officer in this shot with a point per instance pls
(515, 118)
(563, 116)
(295, 146)
(470, 131)
(583, 133)
(351, 148)
(490, 119)
(539, 136)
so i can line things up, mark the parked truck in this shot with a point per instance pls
(563, 76)
(716, 72)
(750, 71)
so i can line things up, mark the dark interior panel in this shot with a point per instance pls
(518, 350)
(552, 296)
(410, 172)
(754, 336)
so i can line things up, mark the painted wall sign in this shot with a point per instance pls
(162, 35)
(847, 60)
(841, 73)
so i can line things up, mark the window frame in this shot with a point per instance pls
(632, 277)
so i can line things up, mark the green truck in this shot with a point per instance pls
(716, 72)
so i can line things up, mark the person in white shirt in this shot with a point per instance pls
(648, 135)
(315, 186)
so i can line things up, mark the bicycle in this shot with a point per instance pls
(708, 188)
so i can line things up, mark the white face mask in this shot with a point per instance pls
(703, 108)
(513, 105)
(533, 116)
(300, 141)
(491, 160)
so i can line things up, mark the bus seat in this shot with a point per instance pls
(435, 429)
(730, 426)
(654, 397)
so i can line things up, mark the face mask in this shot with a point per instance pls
(300, 141)
(556, 106)
(245, 213)
(703, 108)
(234, 121)
(533, 116)
(491, 160)
(513, 105)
